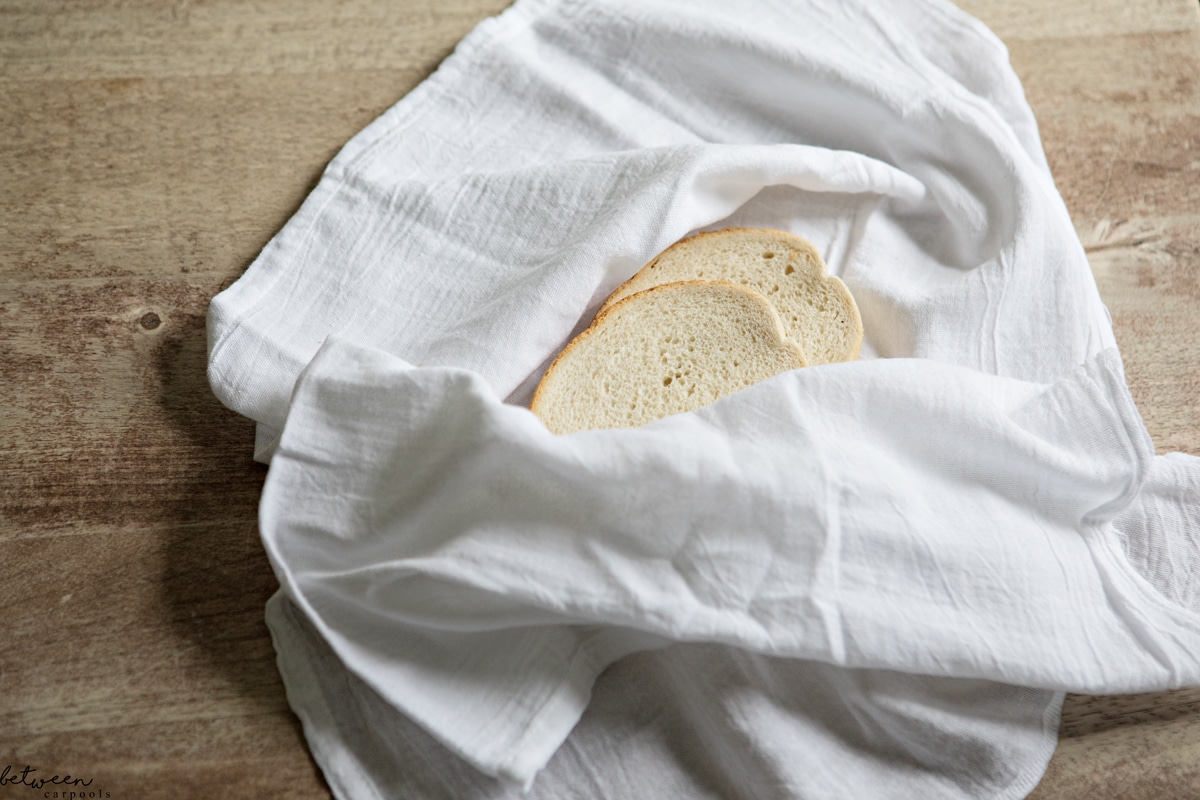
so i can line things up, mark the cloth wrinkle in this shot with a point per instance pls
(827, 573)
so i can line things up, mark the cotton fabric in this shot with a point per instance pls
(872, 579)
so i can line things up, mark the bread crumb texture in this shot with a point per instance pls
(818, 312)
(668, 349)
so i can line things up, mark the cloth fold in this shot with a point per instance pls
(872, 579)
(696, 722)
(773, 521)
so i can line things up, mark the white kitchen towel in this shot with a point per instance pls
(696, 722)
(960, 505)
(482, 572)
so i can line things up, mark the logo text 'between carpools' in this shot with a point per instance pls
(79, 787)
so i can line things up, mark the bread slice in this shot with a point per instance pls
(818, 312)
(670, 349)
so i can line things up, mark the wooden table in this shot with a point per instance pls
(151, 147)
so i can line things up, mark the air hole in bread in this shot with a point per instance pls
(790, 269)
(768, 255)
(667, 381)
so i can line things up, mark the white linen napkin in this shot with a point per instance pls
(883, 574)
(696, 722)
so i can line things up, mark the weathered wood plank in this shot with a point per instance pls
(1148, 271)
(1135, 746)
(1120, 121)
(168, 176)
(1022, 20)
(154, 38)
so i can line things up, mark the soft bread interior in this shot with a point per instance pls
(818, 312)
(669, 349)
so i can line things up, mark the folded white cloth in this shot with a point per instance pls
(884, 573)
(691, 722)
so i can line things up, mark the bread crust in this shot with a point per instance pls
(800, 242)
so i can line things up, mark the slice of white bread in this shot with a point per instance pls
(670, 349)
(818, 312)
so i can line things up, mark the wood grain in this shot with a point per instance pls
(152, 147)
(1024, 20)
